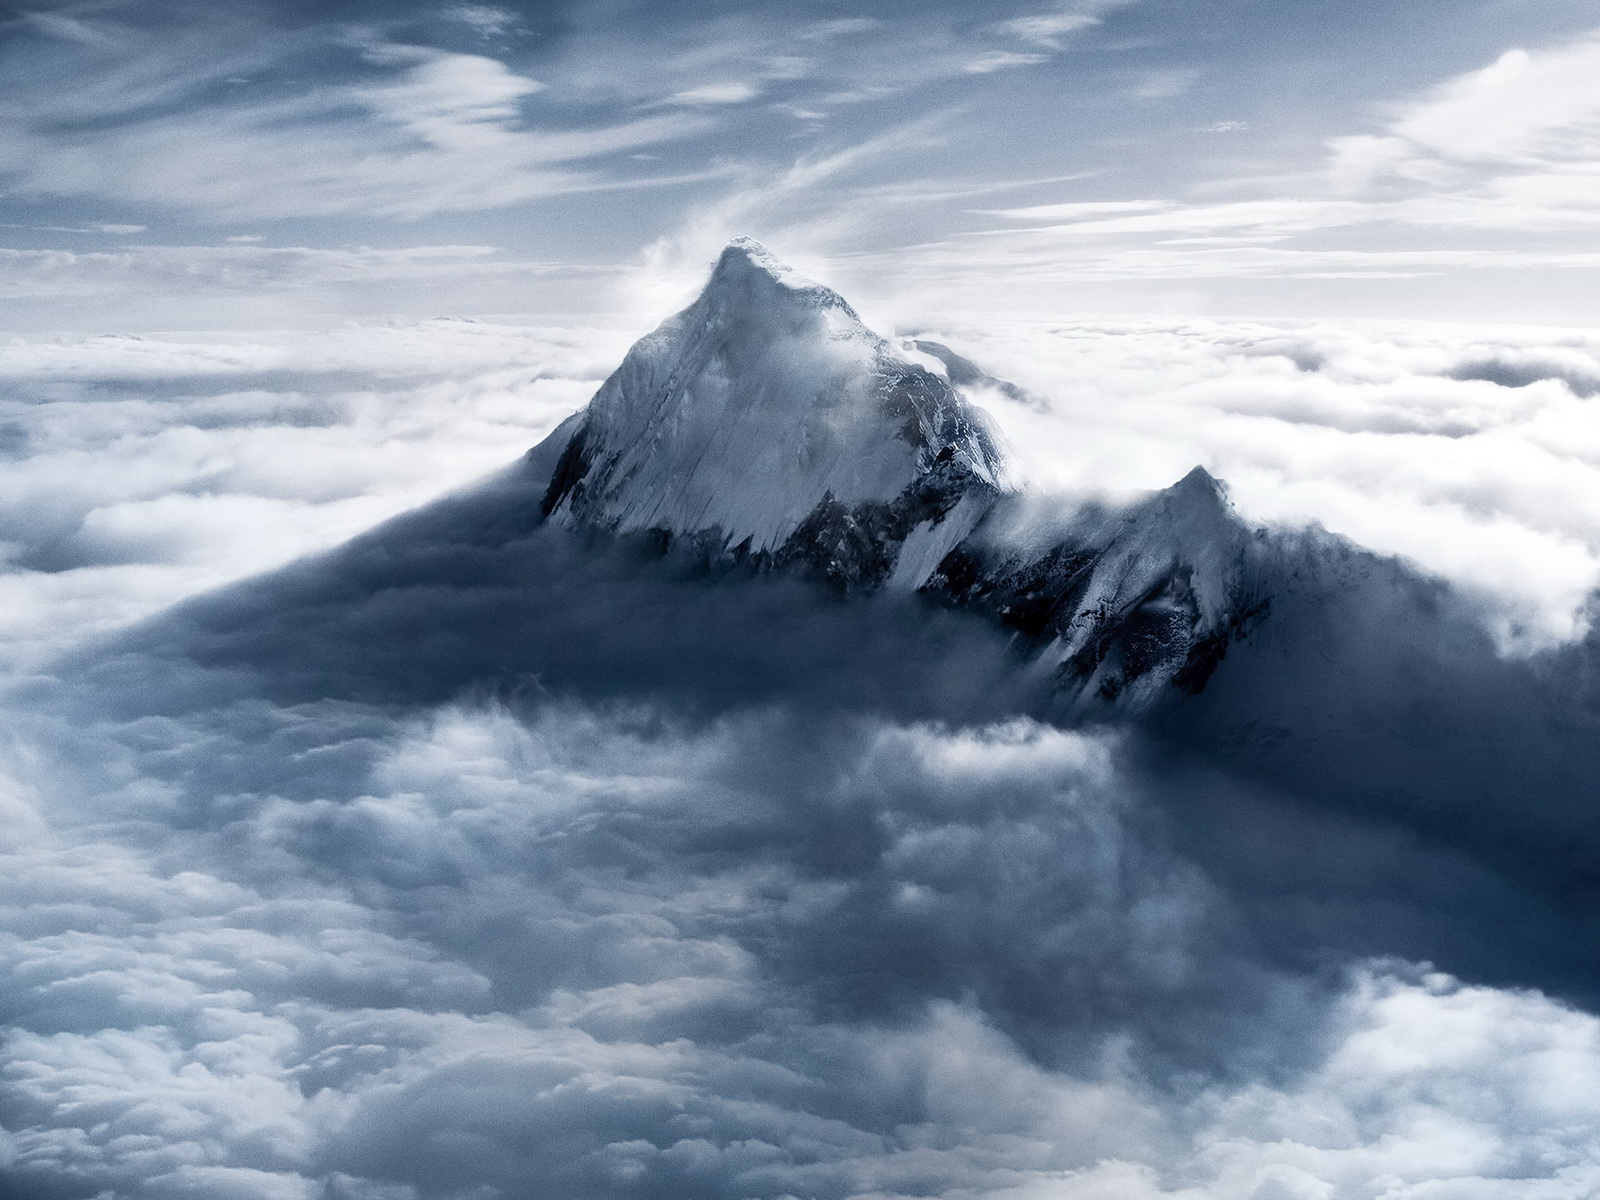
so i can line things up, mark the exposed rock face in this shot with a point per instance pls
(1119, 603)
(766, 427)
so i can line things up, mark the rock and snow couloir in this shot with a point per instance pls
(767, 426)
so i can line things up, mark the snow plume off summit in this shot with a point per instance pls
(753, 792)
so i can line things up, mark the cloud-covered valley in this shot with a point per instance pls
(430, 867)
(578, 956)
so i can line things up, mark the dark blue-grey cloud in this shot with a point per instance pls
(720, 923)
(1371, 699)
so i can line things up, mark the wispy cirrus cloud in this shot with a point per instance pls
(810, 66)
(241, 264)
(1000, 60)
(234, 118)
(1050, 28)
(416, 130)
(1469, 176)
(1420, 201)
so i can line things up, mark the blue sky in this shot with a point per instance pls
(172, 165)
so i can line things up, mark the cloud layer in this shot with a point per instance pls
(468, 861)
(477, 948)
(1470, 451)
(134, 464)
(558, 872)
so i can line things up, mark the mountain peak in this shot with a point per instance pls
(1201, 486)
(746, 254)
(765, 412)
(748, 277)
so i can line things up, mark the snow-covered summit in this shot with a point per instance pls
(765, 405)
(765, 424)
(745, 260)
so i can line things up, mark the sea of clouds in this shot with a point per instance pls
(797, 916)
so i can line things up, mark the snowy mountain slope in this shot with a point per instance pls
(1119, 603)
(622, 552)
(766, 421)
(766, 425)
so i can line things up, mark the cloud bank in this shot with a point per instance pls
(135, 463)
(495, 865)
(478, 948)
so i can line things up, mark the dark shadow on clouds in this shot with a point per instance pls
(1426, 796)
(1370, 775)
(1523, 370)
(475, 592)
(770, 830)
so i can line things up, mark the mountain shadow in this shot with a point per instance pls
(767, 506)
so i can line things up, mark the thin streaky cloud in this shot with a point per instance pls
(446, 134)
(1000, 60)
(1051, 27)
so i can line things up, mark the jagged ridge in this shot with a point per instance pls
(766, 421)
(767, 426)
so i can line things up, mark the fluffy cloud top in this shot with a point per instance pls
(1469, 451)
(742, 892)
(630, 961)
(134, 464)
